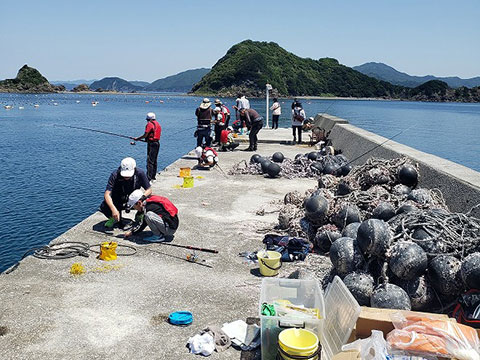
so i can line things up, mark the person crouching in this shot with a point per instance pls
(207, 157)
(158, 212)
(227, 141)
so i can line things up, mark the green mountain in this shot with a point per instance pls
(139, 83)
(114, 84)
(29, 80)
(249, 65)
(181, 82)
(384, 72)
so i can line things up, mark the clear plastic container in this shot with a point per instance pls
(342, 314)
(306, 293)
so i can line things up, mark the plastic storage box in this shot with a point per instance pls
(298, 292)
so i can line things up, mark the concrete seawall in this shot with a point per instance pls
(460, 185)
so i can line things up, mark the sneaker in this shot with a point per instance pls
(154, 238)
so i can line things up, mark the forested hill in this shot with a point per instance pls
(249, 65)
(114, 84)
(29, 80)
(181, 82)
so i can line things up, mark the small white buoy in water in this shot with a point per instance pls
(55, 104)
(78, 101)
(36, 105)
(7, 107)
(21, 108)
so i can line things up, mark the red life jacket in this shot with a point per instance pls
(224, 136)
(224, 117)
(209, 148)
(167, 204)
(157, 131)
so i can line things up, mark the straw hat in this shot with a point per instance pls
(205, 104)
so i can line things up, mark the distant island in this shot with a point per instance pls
(29, 80)
(248, 66)
(384, 72)
(181, 82)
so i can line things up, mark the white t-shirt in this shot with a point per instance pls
(277, 109)
(296, 122)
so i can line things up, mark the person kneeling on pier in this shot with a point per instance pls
(157, 212)
(227, 141)
(121, 184)
(207, 157)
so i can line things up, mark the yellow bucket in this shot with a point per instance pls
(188, 181)
(298, 343)
(270, 264)
(108, 251)
(186, 171)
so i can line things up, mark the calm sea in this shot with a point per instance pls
(53, 177)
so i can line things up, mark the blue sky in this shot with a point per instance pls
(147, 40)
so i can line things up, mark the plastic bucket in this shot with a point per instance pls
(108, 251)
(188, 182)
(186, 171)
(298, 344)
(270, 264)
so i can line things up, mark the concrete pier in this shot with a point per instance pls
(117, 309)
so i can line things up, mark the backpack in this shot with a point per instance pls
(297, 114)
(291, 248)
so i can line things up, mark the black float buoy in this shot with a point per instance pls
(384, 211)
(420, 196)
(343, 188)
(317, 167)
(404, 208)
(324, 239)
(361, 287)
(374, 237)
(420, 293)
(390, 296)
(470, 271)
(407, 260)
(345, 169)
(330, 169)
(407, 175)
(346, 256)
(278, 157)
(298, 156)
(347, 214)
(265, 163)
(312, 155)
(351, 230)
(255, 159)
(316, 208)
(445, 275)
(273, 169)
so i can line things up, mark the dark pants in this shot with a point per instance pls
(204, 133)
(275, 121)
(231, 146)
(119, 204)
(152, 156)
(298, 128)
(218, 131)
(256, 126)
(227, 120)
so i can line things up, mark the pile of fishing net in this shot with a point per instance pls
(395, 245)
(309, 165)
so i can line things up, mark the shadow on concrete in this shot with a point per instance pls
(140, 238)
(189, 157)
(256, 272)
(100, 226)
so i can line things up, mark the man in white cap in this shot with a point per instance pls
(158, 213)
(121, 184)
(204, 114)
(152, 134)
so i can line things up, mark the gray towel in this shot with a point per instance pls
(222, 341)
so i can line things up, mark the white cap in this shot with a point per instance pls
(127, 167)
(134, 197)
(151, 116)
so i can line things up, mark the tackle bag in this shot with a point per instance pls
(467, 310)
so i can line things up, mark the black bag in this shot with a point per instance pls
(467, 310)
(291, 248)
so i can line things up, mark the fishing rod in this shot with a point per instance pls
(190, 247)
(378, 145)
(189, 128)
(97, 131)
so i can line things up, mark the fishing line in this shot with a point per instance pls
(97, 131)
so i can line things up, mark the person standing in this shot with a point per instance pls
(241, 103)
(276, 112)
(121, 183)
(204, 114)
(220, 120)
(254, 123)
(152, 134)
(298, 117)
(225, 110)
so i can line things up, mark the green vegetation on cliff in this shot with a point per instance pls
(248, 66)
(29, 80)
